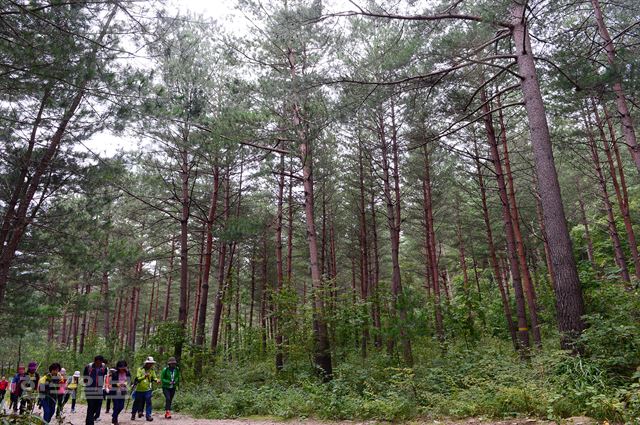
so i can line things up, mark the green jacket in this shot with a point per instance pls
(145, 381)
(167, 376)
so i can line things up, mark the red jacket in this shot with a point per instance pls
(3, 385)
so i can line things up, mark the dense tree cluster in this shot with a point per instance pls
(369, 178)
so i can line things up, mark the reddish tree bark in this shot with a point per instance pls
(514, 266)
(185, 201)
(606, 201)
(390, 171)
(279, 264)
(430, 244)
(628, 130)
(620, 197)
(527, 282)
(206, 270)
(167, 302)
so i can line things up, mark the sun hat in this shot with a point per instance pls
(76, 374)
(149, 360)
(172, 360)
(63, 371)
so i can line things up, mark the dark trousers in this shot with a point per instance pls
(94, 404)
(13, 402)
(118, 406)
(48, 408)
(142, 400)
(169, 393)
(73, 403)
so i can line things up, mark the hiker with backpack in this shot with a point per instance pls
(120, 380)
(170, 378)
(25, 387)
(15, 389)
(48, 387)
(144, 380)
(93, 380)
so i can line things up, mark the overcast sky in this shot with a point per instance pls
(107, 144)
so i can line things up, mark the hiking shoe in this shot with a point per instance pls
(133, 416)
(149, 419)
(167, 414)
(114, 421)
(140, 414)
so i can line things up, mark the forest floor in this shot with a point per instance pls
(78, 418)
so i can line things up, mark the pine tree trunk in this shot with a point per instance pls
(279, 267)
(514, 266)
(624, 210)
(206, 271)
(606, 201)
(527, 283)
(430, 245)
(184, 250)
(364, 248)
(222, 258)
(167, 303)
(628, 130)
(322, 355)
(569, 299)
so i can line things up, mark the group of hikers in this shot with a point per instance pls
(52, 391)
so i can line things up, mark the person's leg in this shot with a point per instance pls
(73, 402)
(48, 408)
(138, 404)
(167, 400)
(97, 416)
(91, 410)
(118, 405)
(147, 398)
(98, 408)
(108, 403)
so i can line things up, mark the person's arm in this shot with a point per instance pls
(140, 375)
(164, 377)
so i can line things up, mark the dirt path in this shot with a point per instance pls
(78, 418)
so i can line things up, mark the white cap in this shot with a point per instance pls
(76, 374)
(63, 371)
(149, 360)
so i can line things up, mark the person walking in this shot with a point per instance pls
(170, 378)
(63, 393)
(72, 389)
(120, 381)
(48, 387)
(15, 388)
(28, 388)
(4, 384)
(145, 378)
(93, 380)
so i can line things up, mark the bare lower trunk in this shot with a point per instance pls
(514, 266)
